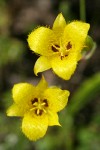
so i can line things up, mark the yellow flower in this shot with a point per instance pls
(38, 106)
(60, 47)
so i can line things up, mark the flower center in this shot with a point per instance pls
(63, 51)
(39, 106)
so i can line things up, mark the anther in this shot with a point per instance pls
(38, 112)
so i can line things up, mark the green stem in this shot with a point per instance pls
(82, 10)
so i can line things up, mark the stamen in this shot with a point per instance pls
(55, 48)
(32, 108)
(46, 103)
(44, 110)
(38, 112)
(34, 100)
(43, 104)
(62, 57)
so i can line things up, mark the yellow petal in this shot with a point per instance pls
(59, 22)
(16, 110)
(41, 87)
(59, 25)
(53, 119)
(75, 33)
(34, 127)
(65, 68)
(40, 41)
(23, 93)
(57, 98)
(42, 64)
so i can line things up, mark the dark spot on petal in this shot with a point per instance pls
(46, 103)
(62, 57)
(54, 48)
(57, 45)
(34, 100)
(69, 46)
(40, 112)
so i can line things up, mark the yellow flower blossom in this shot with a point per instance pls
(38, 107)
(60, 47)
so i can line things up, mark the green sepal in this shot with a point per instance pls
(89, 49)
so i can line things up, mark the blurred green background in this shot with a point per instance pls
(81, 118)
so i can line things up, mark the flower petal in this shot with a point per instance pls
(16, 110)
(42, 64)
(59, 25)
(59, 22)
(57, 98)
(75, 32)
(23, 93)
(34, 127)
(65, 68)
(41, 87)
(53, 119)
(40, 41)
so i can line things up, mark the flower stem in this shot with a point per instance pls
(82, 10)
